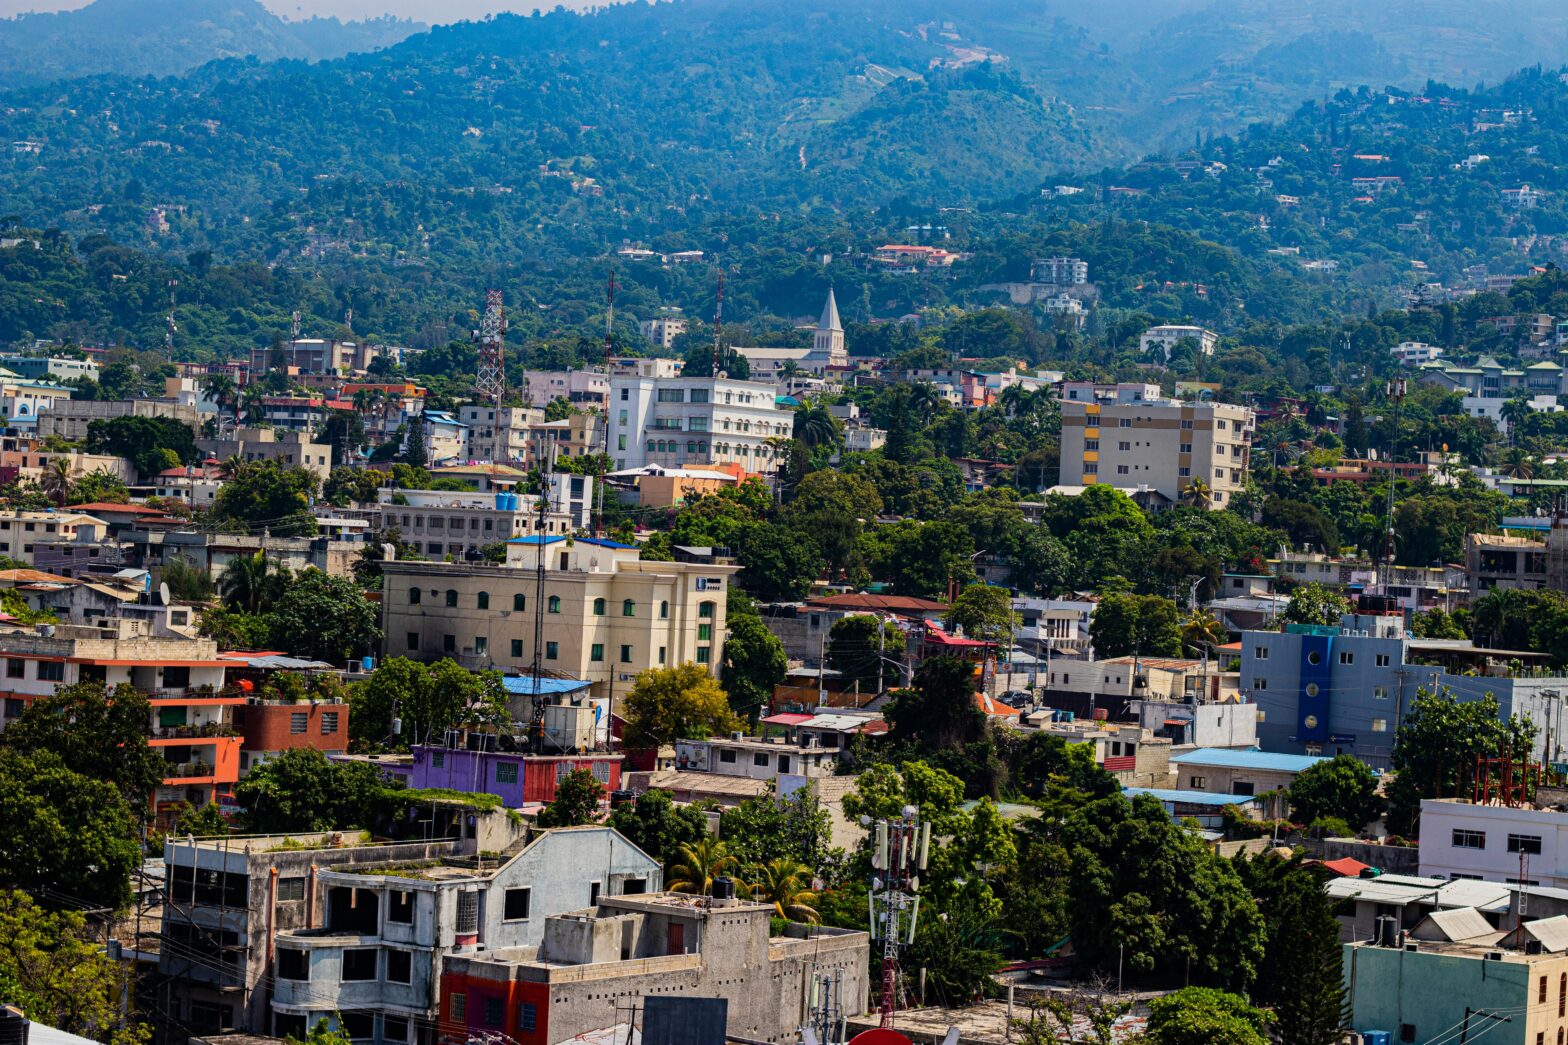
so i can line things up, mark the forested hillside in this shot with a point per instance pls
(166, 37)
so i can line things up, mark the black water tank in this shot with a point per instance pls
(622, 797)
(724, 888)
(13, 1026)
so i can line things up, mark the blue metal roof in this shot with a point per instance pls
(528, 686)
(1246, 758)
(535, 539)
(604, 542)
(1191, 798)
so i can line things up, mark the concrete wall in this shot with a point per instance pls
(1431, 992)
(1441, 857)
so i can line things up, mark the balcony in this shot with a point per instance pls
(188, 771)
(209, 731)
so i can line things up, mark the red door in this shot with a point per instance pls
(675, 939)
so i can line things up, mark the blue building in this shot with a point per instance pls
(1342, 690)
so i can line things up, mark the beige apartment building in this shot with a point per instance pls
(1162, 444)
(607, 615)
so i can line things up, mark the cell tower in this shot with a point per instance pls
(899, 851)
(491, 379)
(718, 328)
(170, 328)
(294, 326)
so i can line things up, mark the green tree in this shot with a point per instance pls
(857, 646)
(427, 701)
(778, 563)
(1315, 604)
(754, 662)
(697, 864)
(270, 496)
(186, 580)
(152, 443)
(576, 801)
(657, 826)
(1203, 1016)
(55, 970)
(325, 618)
(1342, 787)
(960, 950)
(248, 582)
(1106, 535)
(1437, 743)
(669, 704)
(71, 838)
(985, 612)
(831, 507)
(784, 884)
(1301, 977)
(1124, 624)
(100, 487)
(97, 733)
(940, 710)
(766, 826)
(346, 486)
(301, 790)
(201, 822)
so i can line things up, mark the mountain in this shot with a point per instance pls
(168, 37)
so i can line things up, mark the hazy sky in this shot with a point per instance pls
(433, 11)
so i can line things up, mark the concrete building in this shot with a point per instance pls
(69, 418)
(607, 614)
(625, 950)
(1415, 588)
(378, 962)
(49, 368)
(574, 436)
(448, 522)
(500, 436)
(1451, 978)
(1495, 560)
(695, 421)
(21, 532)
(1061, 272)
(152, 548)
(1462, 839)
(582, 388)
(1135, 756)
(295, 449)
(316, 356)
(759, 758)
(655, 486)
(1332, 690)
(1234, 771)
(1415, 353)
(1161, 340)
(1165, 444)
(666, 325)
(520, 779)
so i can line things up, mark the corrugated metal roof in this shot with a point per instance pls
(528, 686)
(1459, 923)
(1551, 932)
(1194, 798)
(1246, 758)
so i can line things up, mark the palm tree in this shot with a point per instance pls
(924, 399)
(700, 863)
(57, 479)
(220, 389)
(1519, 464)
(815, 426)
(232, 467)
(1202, 629)
(250, 400)
(1511, 413)
(785, 884)
(1197, 494)
(245, 582)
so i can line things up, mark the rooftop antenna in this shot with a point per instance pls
(609, 337)
(718, 326)
(294, 326)
(899, 849)
(490, 381)
(169, 326)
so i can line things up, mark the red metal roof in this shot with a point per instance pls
(888, 603)
(1346, 867)
(788, 718)
(105, 506)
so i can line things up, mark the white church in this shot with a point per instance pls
(827, 349)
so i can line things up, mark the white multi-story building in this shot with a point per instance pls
(1415, 353)
(1162, 339)
(695, 421)
(1461, 839)
(1069, 272)
(667, 325)
(1164, 444)
(581, 388)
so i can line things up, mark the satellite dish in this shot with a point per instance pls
(163, 593)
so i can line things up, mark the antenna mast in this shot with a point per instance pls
(294, 326)
(490, 381)
(169, 326)
(898, 855)
(609, 335)
(718, 326)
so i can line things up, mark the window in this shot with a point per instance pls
(598, 607)
(1379, 692)
(704, 633)
(517, 649)
(1091, 444)
(1186, 448)
(1091, 468)
(1380, 725)
(727, 756)
(629, 608)
(1123, 446)
(1382, 660)
(554, 605)
(51, 670)
(661, 654)
(400, 907)
(759, 758)
(293, 963)
(552, 650)
(449, 643)
(394, 1028)
(457, 1006)
(437, 759)
(506, 772)
(1469, 839)
(517, 901)
(15, 668)
(1124, 422)
(1530, 844)
(299, 721)
(1346, 657)
(329, 722)
(400, 967)
(1540, 994)
(626, 654)
(664, 611)
(519, 602)
(291, 889)
(359, 963)
(705, 610)
(1260, 683)
(1186, 426)
(493, 1011)
(451, 597)
(481, 645)
(413, 640)
(593, 894)
(596, 652)
(467, 912)
(527, 1016)
(482, 600)
(704, 655)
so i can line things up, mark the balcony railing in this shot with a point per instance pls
(187, 770)
(206, 731)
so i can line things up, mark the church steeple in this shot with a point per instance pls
(827, 343)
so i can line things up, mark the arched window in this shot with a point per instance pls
(555, 604)
(519, 602)
(629, 608)
(652, 446)
(414, 595)
(691, 446)
(664, 611)
(598, 607)
(451, 596)
(702, 447)
(705, 610)
(483, 600)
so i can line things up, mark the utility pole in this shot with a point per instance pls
(609, 331)
(1395, 390)
(718, 327)
(1464, 1035)
(536, 726)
